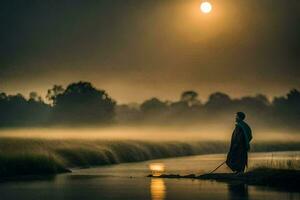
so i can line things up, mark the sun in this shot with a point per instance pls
(206, 7)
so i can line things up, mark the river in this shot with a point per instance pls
(128, 181)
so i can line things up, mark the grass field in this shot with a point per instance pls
(29, 156)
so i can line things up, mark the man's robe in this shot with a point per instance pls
(237, 158)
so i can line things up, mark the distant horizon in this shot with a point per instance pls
(203, 98)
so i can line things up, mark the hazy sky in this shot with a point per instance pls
(137, 49)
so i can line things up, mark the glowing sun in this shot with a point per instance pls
(206, 7)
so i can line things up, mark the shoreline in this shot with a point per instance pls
(287, 179)
(43, 157)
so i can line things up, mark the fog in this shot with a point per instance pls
(211, 132)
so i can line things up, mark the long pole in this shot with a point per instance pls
(217, 167)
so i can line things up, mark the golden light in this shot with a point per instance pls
(206, 7)
(158, 189)
(157, 168)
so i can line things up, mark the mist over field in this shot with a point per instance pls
(82, 105)
(50, 151)
(209, 132)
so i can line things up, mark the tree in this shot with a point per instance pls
(153, 106)
(286, 110)
(82, 103)
(218, 100)
(16, 110)
(2, 96)
(33, 96)
(190, 98)
(293, 97)
(53, 93)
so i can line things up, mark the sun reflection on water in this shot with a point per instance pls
(158, 189)
(157, 168)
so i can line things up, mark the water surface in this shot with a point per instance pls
(128, 181)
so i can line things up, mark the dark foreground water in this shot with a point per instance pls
(128, 181)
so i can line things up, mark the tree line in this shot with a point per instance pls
(82, 104)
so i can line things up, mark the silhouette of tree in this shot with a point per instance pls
(293, 104)
(263, 99)
(255, 104)
(153, 106)
(179, 107)
(218, 100)
(128, 113)
(190, 98)
(54, 92)
(82, 103)
(286, 110)
(2, 96)
(33, 96)
(15, 110)
(293, 97)
(37, 110)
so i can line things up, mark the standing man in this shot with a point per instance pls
(237, 158)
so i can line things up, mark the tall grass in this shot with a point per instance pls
(43, 156)
(20, 156)
(290, 164)
(29, 164)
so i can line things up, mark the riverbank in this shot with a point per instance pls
(26, 156)
(288, 179)
(31, 156)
